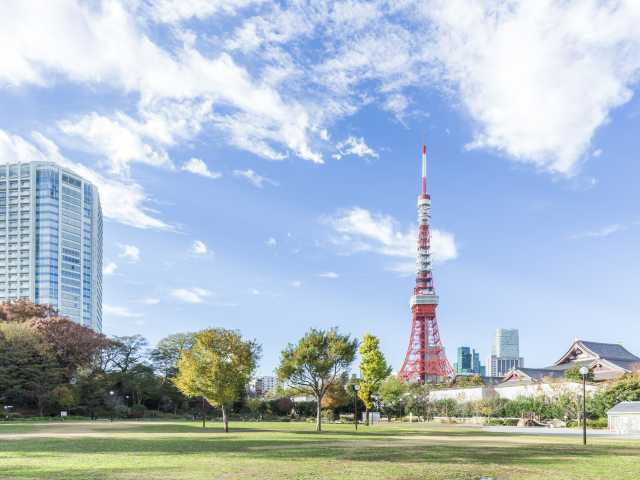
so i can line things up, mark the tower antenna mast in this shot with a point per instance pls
(425, 360)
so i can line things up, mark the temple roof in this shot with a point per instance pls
(532, 373)
(610, 351)
(583, 351)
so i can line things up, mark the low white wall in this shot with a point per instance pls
(549, 390)
(460, 395)
(510, 392)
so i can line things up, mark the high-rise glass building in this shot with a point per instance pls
(51, 240)
(468, 362)
(505, 353)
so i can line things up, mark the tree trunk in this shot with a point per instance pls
(204, 417)
(225, 419)
(318, 416)
(366, 415)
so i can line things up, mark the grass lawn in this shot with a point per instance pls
(183, 450)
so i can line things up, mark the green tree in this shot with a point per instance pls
(126, 352)
(316, 363)
(625, 388)
(573, 373)
(164, 357)
(393, 391)
(29, 373)
(64, 396)
(337, 395)
(217, 367)
(255, 406)
(468, 381)
(418, 400)
(373, 370)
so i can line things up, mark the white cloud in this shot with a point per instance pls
(359, 230)
(190, 295)
(117, 311)
(600, 233)
(150, 301)
(110, 268)
(538, 77)
(123, 140)
(174, 11)
(117, 140)
(271, 242)
(129, 252)
(331, 275)
(254, 291)
(109, 46)
(198, 167)
(253, 178)
(296, 284)
(277, 27)
(396, 104)
(597, 152)
(199, 248)
(122, 200)
(354, 146)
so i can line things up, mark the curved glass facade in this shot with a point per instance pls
(51, 240)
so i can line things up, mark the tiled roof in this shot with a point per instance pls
(611, 351)
(626, 407)
(634, 365)
(540, 373)
(565, 366)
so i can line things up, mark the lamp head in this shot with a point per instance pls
(584, 371)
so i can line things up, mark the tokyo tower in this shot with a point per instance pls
(425, 360)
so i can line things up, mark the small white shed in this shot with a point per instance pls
(624, 418)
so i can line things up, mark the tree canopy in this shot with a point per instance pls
(217, 367)
(573, 373)
(316, 363)
(393, 391)
(73, 345)
(373, 370)
(166, 354)
(29, 372)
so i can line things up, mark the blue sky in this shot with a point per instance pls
(258, 162)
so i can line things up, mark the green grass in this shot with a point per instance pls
(183, 450)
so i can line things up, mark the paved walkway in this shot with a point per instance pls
(600, 433)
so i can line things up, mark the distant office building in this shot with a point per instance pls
(468, 363)
(51, 240)
(264, 386)
(505, 353)
(506, 343)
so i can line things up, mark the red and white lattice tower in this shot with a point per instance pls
(425, 360)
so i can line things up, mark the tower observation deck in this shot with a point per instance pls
(425, 360)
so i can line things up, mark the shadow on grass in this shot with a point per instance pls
(370, 433)
(327, 448)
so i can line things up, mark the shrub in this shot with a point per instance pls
(137, 411)
(591, 423)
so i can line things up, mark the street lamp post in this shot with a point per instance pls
(111, 394)
(204, 416)
(356, 387)
(584, 371)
